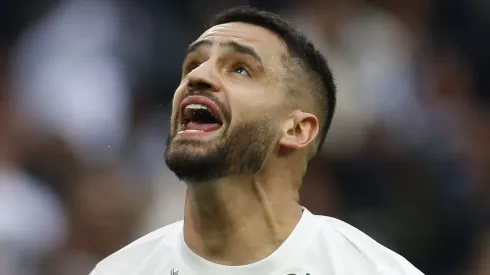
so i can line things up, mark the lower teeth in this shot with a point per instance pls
(191, 130)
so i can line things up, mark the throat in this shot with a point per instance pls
(237, 224)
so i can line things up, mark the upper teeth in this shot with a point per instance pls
(196, 107)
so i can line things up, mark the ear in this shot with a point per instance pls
(299, 130)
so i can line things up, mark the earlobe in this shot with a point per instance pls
(299, 131)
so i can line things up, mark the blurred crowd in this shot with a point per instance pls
(85, 91)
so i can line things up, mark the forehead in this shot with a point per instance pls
(266, 43)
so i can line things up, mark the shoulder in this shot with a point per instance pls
(363, 250)
(136, 252)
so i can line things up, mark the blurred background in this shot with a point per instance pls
(85, 90)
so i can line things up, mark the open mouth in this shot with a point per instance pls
(199, 115)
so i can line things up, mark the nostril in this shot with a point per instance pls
(199, 86)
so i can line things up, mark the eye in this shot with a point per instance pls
(241, 69)
(190, 66)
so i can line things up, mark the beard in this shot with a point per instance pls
(239, 150)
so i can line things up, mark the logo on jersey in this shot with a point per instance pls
(174, 272)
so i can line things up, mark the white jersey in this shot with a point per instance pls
(317, 246)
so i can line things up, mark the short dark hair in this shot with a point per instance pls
(299, 47)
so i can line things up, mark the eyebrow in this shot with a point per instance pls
(234, 46)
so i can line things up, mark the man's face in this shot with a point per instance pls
(226, 109)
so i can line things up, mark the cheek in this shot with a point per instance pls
(178, 96)
(256, 105)
(179, 93)
(252, 109)
(249, 98)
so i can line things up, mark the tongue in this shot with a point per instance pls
(205, 127)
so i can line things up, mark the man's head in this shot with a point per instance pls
(252, 86)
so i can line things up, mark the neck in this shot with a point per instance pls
(239, 221)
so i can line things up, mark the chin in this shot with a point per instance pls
(193, 146)
(193, 161)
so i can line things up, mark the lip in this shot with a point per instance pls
(195, 135)
(202, 100)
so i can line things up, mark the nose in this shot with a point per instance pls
(204, 77)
